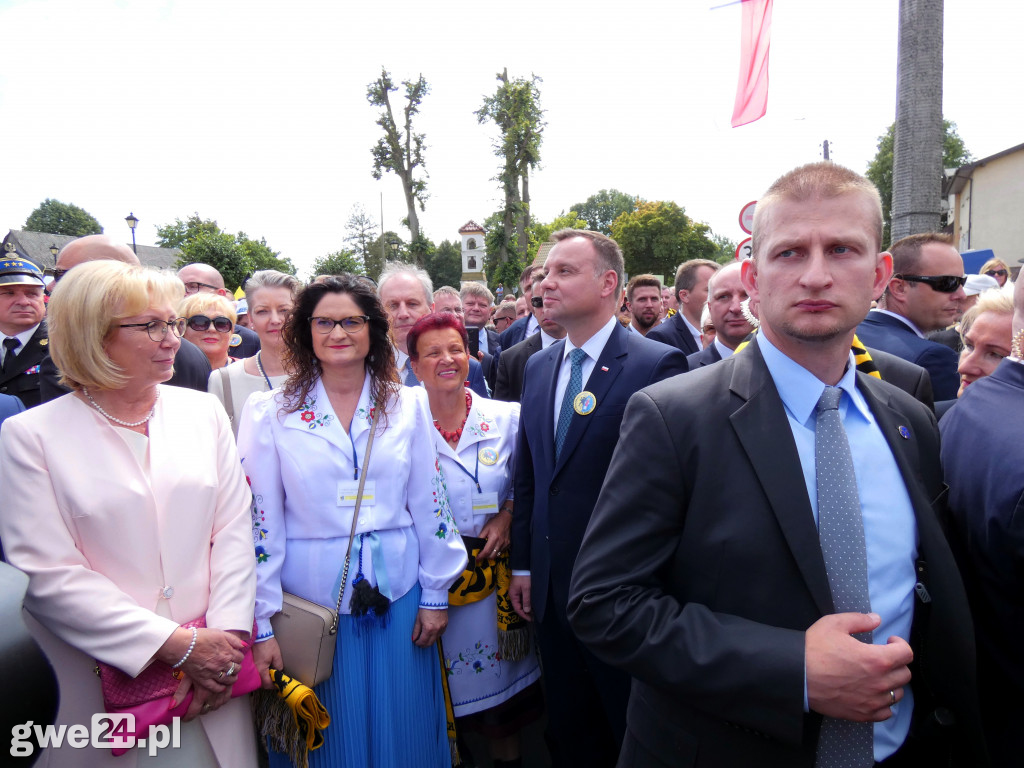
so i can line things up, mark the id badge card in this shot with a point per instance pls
(485, 503)
(348, 491)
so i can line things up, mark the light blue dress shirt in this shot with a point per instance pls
(890, 529)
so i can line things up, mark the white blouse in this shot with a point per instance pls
(304, 472)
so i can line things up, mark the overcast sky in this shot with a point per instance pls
(255, 114)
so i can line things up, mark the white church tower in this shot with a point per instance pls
(472, 252)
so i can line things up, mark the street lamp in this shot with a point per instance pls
(395, 244)
(54, 250)
(132, 223)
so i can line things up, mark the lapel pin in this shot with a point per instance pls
(604, 368)
(584, 403)
(43, 342)
(904, 432)
(488, 456)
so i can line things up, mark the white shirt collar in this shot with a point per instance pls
(902, 319)
(593, 346)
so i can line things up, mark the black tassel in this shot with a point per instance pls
(366, 599)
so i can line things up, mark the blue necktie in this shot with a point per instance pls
(575, 386)
(841, 743)
(409, 378)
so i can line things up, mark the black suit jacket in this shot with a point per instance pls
(512, 366)
(706, 356)
(701, 571)
(889, 334)
(514, 333)
(911, 378)
(249, 344)
(22, 380)
(554, 498)
(674, 332)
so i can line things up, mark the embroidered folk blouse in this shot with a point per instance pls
(304, 471)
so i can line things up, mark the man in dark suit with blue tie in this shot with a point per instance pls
(574, 393)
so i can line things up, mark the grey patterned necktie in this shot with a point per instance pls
(842, 743)
(408, 377)
(575, 386)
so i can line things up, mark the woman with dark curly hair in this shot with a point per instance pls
(303, 449)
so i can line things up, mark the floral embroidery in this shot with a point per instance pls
(259, 519)
(481, 427)
(442, 511)
(311, 417)
(474, 661)
(367, 415)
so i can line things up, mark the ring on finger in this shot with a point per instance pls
(231, 669)
(206, 708)
(892, 697)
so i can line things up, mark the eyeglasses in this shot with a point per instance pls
(221, 324)
(157, 329)
(348, 324)
(990, 273)
(940, 283)
(503, 318)
(537, 301)
(59, 273)
(191, 288)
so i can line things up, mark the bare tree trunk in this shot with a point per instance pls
(524, 217)
(917, 154)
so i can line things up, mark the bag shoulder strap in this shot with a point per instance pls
(225, 385)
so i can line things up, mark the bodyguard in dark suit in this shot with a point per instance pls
(22, 329)
(771, 568)
(726, 295)
(983, 462)
(691, 289)
(576, 390)
(524, 326)
(925, 294)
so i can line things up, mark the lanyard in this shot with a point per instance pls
(259, 367)
(475, 477)
(355, 456)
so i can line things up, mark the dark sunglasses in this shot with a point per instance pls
(537, 301)
(202, 322)
(940, 283)
(990, 273)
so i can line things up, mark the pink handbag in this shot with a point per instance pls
(148, 696)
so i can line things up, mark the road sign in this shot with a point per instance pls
(747, 217)
(744, 250)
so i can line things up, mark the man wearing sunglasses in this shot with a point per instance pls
(926, 294)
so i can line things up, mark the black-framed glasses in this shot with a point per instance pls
(59, 273)
(220, 324)
(351, 324)
(196, 287)
(940, 283)
(989, 272)
(537, 301)
(157, 329)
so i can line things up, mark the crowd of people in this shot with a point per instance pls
(708, 524)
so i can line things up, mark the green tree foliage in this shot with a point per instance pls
(381, 250)
(400, 149)
(57, 218)
(726, 249)
(954, 154)
(539, 233)
(337, 263)
(600, 210)
(502, 263)
(234, 256)
(515, 110)
(360, 230)
(444, 263)
(658, 236)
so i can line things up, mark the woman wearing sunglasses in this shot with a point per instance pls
(304, 449)
(996, 268)
(125, 503)
(270, 296)
(210, 322)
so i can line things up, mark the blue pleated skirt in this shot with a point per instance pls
(384, 698)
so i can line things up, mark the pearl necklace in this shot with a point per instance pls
(98, 407)
(259, 367)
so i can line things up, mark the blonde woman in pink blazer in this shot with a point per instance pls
(125, 504)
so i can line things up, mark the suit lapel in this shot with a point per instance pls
(32, 354)
(777, 466)
(542, 380)
(613, 357)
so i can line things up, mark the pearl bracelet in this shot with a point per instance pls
(195, 634)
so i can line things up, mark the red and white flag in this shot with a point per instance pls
(755, 40)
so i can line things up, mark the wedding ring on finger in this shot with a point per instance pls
(231, 669)
(206, 708)
(892, 698)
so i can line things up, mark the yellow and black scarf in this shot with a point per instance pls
(861, 359)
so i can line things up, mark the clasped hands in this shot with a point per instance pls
(851, 680)
(210, 670)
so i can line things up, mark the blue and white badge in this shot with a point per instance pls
(584, 403)
(488, 456)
